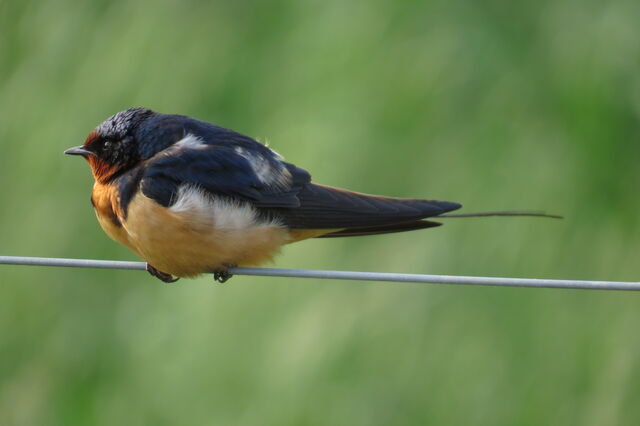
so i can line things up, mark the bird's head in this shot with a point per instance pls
(125, 139)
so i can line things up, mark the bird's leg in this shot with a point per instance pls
(162, 276)
(222, 274)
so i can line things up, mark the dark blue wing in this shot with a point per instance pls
(223, 171)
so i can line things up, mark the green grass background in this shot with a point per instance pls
(495, 104)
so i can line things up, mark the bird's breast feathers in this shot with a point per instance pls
(106, 203)
(196, 234)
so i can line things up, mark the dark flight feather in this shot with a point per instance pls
(324, 207)
(382, 229)
(504, 214)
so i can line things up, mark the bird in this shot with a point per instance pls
(190, 197)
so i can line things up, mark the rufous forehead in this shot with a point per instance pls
(92, 138)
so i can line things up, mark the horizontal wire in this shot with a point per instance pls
(342, 275)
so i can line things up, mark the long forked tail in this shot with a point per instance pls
(327, 212)
(422, 224)
(502, 213)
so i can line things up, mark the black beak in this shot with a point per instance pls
(78, 150)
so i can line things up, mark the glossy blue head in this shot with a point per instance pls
(126, 138)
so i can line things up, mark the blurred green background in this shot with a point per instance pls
(496, 104)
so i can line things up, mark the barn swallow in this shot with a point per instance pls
(190, 197)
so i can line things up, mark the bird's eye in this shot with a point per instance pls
(107, 144)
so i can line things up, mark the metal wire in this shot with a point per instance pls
(342, 275)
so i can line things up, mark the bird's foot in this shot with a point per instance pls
(162, 276)
(222, 274)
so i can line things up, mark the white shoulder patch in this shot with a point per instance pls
(190, 141)
(277, 176)
(269, 174)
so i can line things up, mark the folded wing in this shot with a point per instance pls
(234, 169)
(354, 214)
